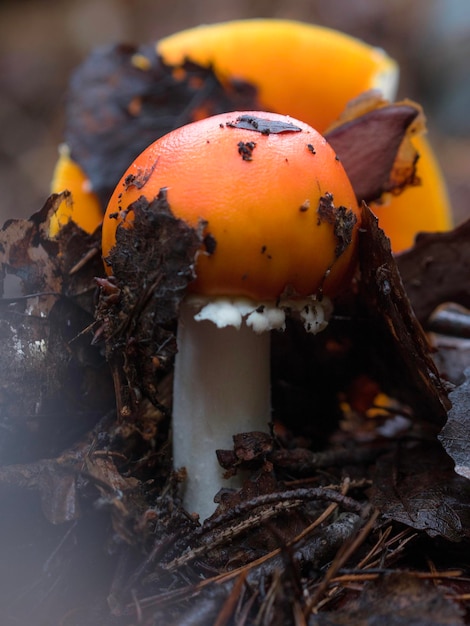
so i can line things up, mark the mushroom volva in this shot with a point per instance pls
(280, 220)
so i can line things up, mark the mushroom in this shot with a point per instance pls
(279, 219)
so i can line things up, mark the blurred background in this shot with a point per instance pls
(42, 42)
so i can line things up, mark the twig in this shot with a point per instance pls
(227, 610)
(342, 556)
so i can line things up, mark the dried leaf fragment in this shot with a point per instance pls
(373, 144)
(437, 270)
(122, 98)
(455, 436)
(400, 343)
(417, 486)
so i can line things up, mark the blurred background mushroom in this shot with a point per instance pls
(41, 43)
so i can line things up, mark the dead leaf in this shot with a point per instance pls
(417, 486)
(123, 97)
(455, 436)
(56, 486)
(400, 599)
(437, 270)
(369, 149)
(397, 345)
(53, 382)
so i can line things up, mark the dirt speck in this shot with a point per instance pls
(245, 149)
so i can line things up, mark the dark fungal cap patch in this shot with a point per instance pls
(263, 126)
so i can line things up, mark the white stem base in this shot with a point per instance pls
(221, 388)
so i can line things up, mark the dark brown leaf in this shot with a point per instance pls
(437, 270)
(394, 332)
(56, 486)
(53, 383)
(455, 436)
(122, 98)
(398, 599)
(25, 250)
(417, 486)
(368, 146)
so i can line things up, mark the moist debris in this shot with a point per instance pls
(245, 149)
(153, 263)
(140, 179)
(210, 243)
(326, 209)
(263, 251)
(263, 126)
(345, 221)
(342, 218)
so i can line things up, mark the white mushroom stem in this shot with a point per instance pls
(222, 386)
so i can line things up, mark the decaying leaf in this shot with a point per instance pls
(123, 97)
(400, 599)
(402, 347)
(455, 436)
(51, 379)
(372, 141)
(437, 270)
(417, 486)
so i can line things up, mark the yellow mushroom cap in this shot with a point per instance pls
(279, 211)
(296, 67)
(84, 206)
(312, 72)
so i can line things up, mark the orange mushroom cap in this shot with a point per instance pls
(275, 202)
